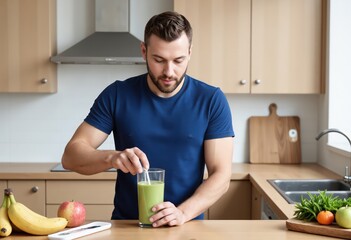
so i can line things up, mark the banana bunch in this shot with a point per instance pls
(29, 221)
(5, 224)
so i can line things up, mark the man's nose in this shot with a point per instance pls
(168, 69)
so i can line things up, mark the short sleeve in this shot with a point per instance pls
(220, 118)
(102, 111)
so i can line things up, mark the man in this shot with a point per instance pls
(163, 119)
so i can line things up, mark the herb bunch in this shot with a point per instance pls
(308, 209)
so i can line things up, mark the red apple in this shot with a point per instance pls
(73, 211)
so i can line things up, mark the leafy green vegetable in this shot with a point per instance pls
(308, 209)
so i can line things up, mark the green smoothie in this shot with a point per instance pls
(148, 196)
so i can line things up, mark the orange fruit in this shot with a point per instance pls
(325, 217)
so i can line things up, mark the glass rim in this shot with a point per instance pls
(155, 170)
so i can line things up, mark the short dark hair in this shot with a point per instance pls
(168, 26)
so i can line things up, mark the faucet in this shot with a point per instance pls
(347, 177)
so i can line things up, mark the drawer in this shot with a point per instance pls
(93, 212)
(30, 193)
(87, 191)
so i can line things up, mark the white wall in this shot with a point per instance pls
(36, 127)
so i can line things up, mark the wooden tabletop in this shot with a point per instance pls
(196, 230)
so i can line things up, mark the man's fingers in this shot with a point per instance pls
(131, 160)
(142, 158)
(166, 214)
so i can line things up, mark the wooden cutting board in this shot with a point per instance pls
(315, 228)
(275, 139)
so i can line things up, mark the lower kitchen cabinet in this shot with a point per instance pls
(234, 204)
(30, 193)
(97, 196)
(45, 197)
(256, 204)
(260, 208)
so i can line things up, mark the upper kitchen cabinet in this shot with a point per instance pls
(287, 46)
(221, 41)
(27, 41)
(258, 46)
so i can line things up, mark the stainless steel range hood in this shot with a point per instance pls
(112, 43)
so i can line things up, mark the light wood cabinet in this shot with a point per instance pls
(45, 196)
(234, 204)
(29, 192)
(256, 204)
(221, 41)
(258, 46)
(287, 46)
(97, 196)
(27, 41)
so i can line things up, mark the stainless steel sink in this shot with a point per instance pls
(310, 184)
(293, 189)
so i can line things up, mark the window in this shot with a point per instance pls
(340, 73)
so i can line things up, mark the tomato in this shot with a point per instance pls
(325, 217)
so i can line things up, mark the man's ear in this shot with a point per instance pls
(190, 50)
(143, 50)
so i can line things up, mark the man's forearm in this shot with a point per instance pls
(86, 160)
(206, 195)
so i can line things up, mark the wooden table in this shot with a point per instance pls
(196, 230)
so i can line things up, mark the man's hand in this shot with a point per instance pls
(130, 160)
(167, 214)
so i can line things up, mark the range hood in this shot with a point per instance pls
(111, 43)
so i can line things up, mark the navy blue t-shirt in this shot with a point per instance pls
(170, 131)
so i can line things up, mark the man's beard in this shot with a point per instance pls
(157, 81)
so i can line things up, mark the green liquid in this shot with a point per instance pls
(148, 196)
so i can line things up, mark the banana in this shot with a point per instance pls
(5, 224)
(31, 222)
(14, 228)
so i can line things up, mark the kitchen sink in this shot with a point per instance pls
(310, 184)
(293, 189)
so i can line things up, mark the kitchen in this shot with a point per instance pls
(41, 124)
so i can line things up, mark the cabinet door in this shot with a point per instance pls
(287, 46)
(30, 192)
(234, 204)
(27, 41)
(221, 42)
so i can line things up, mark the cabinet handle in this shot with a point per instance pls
(257, 81)
(243, 82)
(35, 189)
(44, 81)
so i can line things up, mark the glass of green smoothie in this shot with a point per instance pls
(150, 192)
